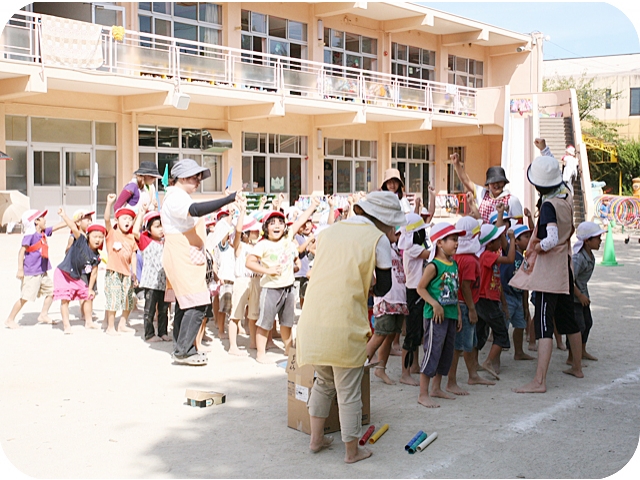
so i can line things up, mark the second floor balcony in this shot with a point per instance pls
(233, 73)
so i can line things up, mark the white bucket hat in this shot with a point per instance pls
(414, 224)
(544, 172)
(585, 231)
(487, 234)
(385, 207)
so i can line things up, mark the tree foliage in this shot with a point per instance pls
(590, 97)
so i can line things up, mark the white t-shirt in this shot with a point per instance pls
(271, 254)
(175, 211)
(570, 167)
(413, 265)
(241, 269)
(398, 292)
(225, 258)
(383, 247)
(406, 206)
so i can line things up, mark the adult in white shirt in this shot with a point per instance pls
(393, 183)
(184, 258)
(492, 193)
(570, 166)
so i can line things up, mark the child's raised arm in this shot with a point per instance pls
(242, 208)
(306, 215)
(429, 274)
(511, 255)
(75, 231)
(107, 211)
(471, 204)
(137, 224)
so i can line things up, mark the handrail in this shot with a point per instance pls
(145, 54)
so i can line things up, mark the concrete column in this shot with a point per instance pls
(233, 158)
(440, 162)
(231, 24)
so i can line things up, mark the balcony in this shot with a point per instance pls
(300, 84)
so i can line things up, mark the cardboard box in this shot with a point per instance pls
(299, 383)
(200, 398)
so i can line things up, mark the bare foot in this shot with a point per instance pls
(90, 325)
(436, 392)
(488, 367)
(326, 441)
(478, 380)
(570, 362)
(396, 352)
(409, 380)
(496, 366)
(272, 346)
(382, 375)
(202, 348)
(262, 359)
(11, 324)
(532, 347)
(427, 401)
(456, 390)
(221, 336)
(111, 331)
(206, 338)
(531, 387)
(574, 372)
(45, 320)
(240, 353)
(588, 356)
(154, 339)
(561, 346)
(166, 338)
(523, 356)
(362, 454)
(125, 329)
(67, 330)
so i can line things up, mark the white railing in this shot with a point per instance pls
(147, 55)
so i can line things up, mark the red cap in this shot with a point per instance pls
(221, 213)
(271, 214)
(94, 227)
(38, 214)
(150, 216)
(125, 211)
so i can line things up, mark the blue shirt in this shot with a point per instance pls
(507, 271)
(80, 260)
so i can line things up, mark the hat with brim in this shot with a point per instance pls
(493, 218)
(584, 232)
(544, 172)
(520, 229)
(273, 214)
(33, 215)
(187, 167)
(222, 213)
(150, 216)
(96, 227)
(250, 224)
(495, 175)
(384, 207)
(81, 213)
(148, 169)
(489, 233)
(440, 231)
(391, 173)
(468, 243)
(125, 211)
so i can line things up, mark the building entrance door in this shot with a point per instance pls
(62, 177)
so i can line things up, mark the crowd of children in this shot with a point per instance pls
(454, 288)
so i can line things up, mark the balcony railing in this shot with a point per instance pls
(147, 55)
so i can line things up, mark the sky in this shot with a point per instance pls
(576, 29)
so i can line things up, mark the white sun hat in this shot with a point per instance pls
(544, 172)
(385, 207)
(468, 243)
(487, 234)
(585, 231)
(440, 231)
(414, 224)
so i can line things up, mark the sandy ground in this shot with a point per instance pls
(92, 406)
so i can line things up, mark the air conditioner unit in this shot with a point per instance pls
(181, 100)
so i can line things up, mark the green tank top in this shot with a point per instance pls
(444, 289)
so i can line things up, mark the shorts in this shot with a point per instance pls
(490, 315)
(224, 297)
(388, 324)
(302, 289)
(277, 301)
(67, 288)
(414, 327)
(246, 293)
(466, 339)
(439, 339)
(118, 292)
(34, 286)
(516, 311)
(558, 308)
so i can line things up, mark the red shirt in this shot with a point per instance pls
(469, 269)
(145, 240)
(490, 286)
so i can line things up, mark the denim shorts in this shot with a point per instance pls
(516, 311)
(466, 339)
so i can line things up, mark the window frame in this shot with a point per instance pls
(452, 71)
(634, 92)
(406, 63)
(428, 161)
(328, 33)
(354, 158)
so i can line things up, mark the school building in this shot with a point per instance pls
(294, 97)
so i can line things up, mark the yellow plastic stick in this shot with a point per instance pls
(374, 438)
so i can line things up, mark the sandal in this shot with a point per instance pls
(197, 359)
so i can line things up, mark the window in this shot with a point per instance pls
(635, 101)
(167, 145)
(350, 50)
(454, 184)
(413, 62)
(416, 166)
(349, 165)
(195, 21)
(465, 72)
(607, 99)
(273, 163)
(274, 35)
